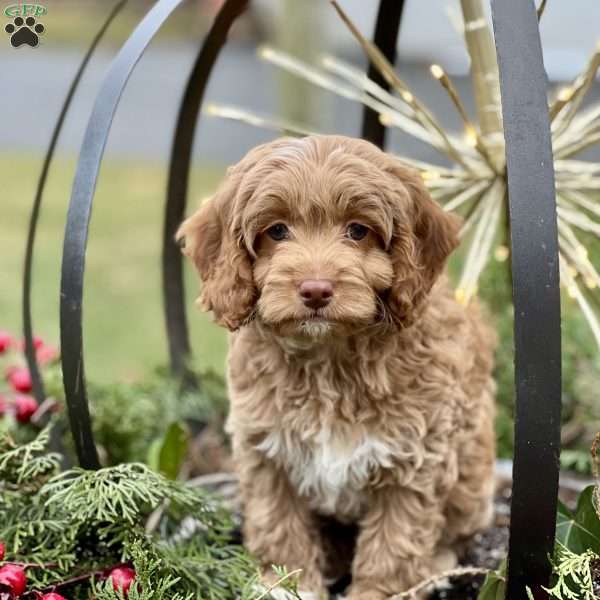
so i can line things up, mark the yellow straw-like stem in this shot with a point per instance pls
(473, 191)
(239, 114)
(440, 75)
(584, 305)
(388, 73)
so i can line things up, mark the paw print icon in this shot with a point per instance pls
(24, 31)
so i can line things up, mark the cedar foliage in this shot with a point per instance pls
(72, 527)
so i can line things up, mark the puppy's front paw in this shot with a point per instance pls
(308, 589)
(363, 594)
(444, 559)
(281, 594)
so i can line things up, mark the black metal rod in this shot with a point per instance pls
(77, 227)
(30, 354)
(387, 29)
(178, 182)
(535, 271)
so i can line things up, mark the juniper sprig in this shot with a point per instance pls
(69, 529)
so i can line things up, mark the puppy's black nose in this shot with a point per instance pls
(316, 293)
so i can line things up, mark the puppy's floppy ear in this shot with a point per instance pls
(220, 258)
(419, 248)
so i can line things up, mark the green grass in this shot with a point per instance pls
(124, 334)
(74, 23)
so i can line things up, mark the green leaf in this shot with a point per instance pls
(578, 460)
(529, 593)
(494, 586)
(579, 531)
(153, 455)
(166, 454)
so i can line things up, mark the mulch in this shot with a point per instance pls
(489, 548)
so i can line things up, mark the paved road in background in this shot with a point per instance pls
(33, 83)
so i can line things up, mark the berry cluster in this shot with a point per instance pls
(13, 580)
(18, 401)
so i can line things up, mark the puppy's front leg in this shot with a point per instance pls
(278, 526)
(396, 543)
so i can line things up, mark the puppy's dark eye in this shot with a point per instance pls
(356, 231)
(278, 232)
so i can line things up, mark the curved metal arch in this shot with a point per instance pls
(178, 181)
(536, 296)
(30, 355)
(387, 29)
(77, 227)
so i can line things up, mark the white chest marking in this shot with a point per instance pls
(331, 470)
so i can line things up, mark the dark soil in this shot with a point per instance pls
(596, 576)
(489, 548)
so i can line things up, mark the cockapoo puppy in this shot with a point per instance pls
(361, 391)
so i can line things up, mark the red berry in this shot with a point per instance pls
(6, 341)
(2, 550)
(25, 407)
(9, 369)
(52, 596)
(46, 355)
(20, 379)
(122, 577)
(13, 576)
(37, 343)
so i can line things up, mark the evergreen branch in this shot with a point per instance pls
(125, 492)
(28, 461)
(574, 575)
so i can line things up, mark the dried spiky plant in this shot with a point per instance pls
(475, 186)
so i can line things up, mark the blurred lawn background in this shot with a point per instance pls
(73, 23)
(123, 323)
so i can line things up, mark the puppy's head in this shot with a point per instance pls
(318, 235)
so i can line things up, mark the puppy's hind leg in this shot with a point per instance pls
(470, 504)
